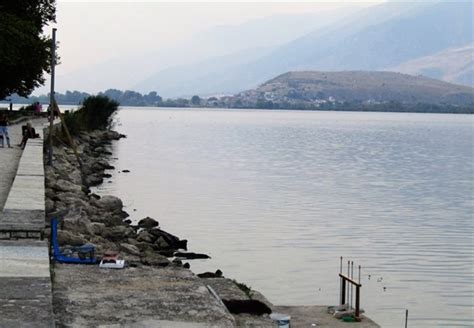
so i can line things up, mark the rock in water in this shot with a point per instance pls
(148, 223)
(191, 256)
(110, 203)
(217, 274)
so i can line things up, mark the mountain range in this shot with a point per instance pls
(434, 39)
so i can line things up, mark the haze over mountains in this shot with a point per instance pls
(232, 43)
(390, 36)
(433, 39)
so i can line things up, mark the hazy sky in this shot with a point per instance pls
(90, 32)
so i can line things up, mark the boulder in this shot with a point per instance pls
(131, 249)
(50, 194)
(217, 274)
(145, 237)
(76, 222)
(49, 206)
(75, 177)
(191, 255)
(154, 259)
(98, 228)
(94, 179)
(173, 241)
(144, 247)
(116, 233)
(161, 243)
(110, 203)
(108, 219)
(64, 185)
(104, 164)
(69, 238)
(148, 223)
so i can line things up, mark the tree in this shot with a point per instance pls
(25, 54)
(196, 100)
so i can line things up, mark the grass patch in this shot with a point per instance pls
(243, 287)
(95, 113)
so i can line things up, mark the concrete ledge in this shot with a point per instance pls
(27, 193)
(26, 302)
(24, 259)
(22, 220)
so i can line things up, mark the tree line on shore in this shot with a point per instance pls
(152, 99)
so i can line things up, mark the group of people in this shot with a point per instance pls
(27, 131)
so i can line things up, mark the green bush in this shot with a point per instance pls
(95, 113)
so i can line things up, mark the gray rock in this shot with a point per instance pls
(78, 222)
(146, 237)
(144, 247)
(50, 194)
(116, 233)
(148, 223)
(161, 243)
(69, 238)
(108, 219)
(98, 228)
(94, 179)
(153, 259)
(64, 185)
(110, 203)
(49, 206)
(131, 249)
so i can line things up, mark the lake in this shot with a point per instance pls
(276, 197)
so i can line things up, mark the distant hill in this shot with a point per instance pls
(453, 65)
(359, 87)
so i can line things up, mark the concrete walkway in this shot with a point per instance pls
(22, 212)
(25, 284)
(25, 281)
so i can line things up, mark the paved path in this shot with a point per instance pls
(23, 211)
(25, 282)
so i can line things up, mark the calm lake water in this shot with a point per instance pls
(276, 197)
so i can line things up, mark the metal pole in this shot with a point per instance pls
(352, 277)
(359, 274)
(348, 288)
(341, 291)
(406, 318)
(51, 98)
(357, 302)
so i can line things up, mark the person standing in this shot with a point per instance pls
(4, 130)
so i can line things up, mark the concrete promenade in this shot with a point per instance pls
(25, 280)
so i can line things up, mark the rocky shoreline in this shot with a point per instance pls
(87, 218)
(101, 221)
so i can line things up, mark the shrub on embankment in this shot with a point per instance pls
(95, 113)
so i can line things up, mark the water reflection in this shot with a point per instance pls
(275, 197)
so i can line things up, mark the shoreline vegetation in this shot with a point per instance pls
(226, 102)
(154, 257)
(328, 91)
